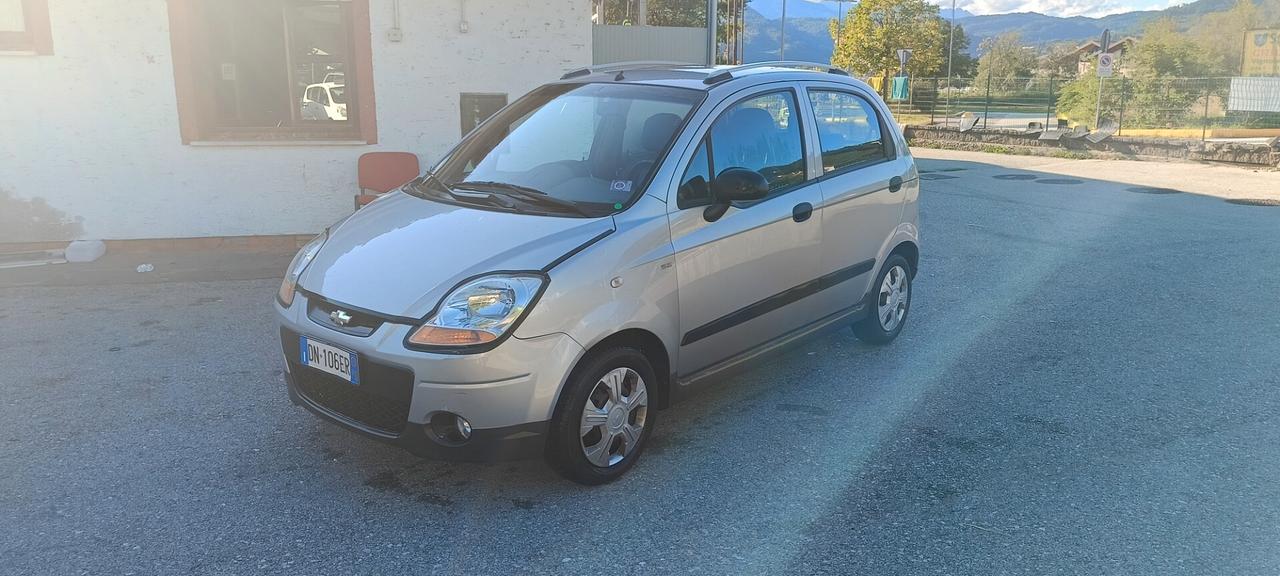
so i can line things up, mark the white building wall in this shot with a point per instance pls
(93, 129)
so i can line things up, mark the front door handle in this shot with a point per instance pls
(895, 184)
(802, 212)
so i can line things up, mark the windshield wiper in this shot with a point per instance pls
(426, 177)
(452, 192)
(530, 195)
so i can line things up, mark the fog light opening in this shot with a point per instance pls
(449, 428)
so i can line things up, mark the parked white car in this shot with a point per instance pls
(325, 101)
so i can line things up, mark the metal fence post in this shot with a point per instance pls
(1124, 97)
(1048, 108)
(933, 107)
(1204, 130)
(986, 110)
(946, 118)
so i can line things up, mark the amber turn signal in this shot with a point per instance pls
(437, 336)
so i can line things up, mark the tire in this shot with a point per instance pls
(877, 328)
(599, 447)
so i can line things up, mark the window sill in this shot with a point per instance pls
(292, 143)
(14, 52)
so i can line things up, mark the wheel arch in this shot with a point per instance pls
(909, 250)
(653, 349)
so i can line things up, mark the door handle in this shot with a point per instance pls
(802, 212)
(895, 184)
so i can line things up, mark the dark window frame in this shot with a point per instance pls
(704, 141)
(888, 143)
(36, 36)
(462, 111)
(706, 137)
(195, 120)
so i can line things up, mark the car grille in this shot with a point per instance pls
(360, 324)
(380, 402)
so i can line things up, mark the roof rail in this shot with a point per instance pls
(727, 73)
(623, 66)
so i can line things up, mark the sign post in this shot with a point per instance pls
(1106, 64)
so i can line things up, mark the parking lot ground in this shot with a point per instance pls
(1089, 383)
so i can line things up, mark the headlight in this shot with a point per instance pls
(296, 266)
(478, 312)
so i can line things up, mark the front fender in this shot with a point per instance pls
(625, 280)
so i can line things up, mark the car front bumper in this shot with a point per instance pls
(507, 393)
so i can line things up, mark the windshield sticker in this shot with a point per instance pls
(620, 186)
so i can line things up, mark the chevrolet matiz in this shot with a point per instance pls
(595, 250)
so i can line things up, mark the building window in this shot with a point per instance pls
(273, 69)
(477, 108)
(24, 26)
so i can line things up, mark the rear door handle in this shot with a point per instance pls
(802, 212)
(895, 184)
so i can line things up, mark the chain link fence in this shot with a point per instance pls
(1169, 107)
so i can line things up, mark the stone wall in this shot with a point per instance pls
(1143, 148)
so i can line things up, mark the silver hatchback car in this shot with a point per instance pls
(591, 252)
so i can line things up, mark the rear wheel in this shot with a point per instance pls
(890, 302)
(603, 418)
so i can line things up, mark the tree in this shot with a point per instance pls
(875, 30)
(682, 13)
(1004, 60)
(962, 64)
(1156, 93)
(1059, 60)
(679, 13)
(1220, 34)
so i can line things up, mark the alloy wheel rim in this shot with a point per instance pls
(895, 293)
(613, 417)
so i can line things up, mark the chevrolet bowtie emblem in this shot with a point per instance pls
(340, 317)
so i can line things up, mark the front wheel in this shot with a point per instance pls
(890, 301)
(603, 418)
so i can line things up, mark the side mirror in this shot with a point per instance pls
(735, 185)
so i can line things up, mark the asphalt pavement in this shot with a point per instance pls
(1089, 383)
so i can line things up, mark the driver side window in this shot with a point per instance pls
(762, 134)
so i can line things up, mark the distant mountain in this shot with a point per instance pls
(808, 39)
(960, 13)
(1043, 29)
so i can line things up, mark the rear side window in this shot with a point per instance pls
(849, 130)
(762, 134)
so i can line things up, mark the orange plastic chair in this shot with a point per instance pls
(382, 172)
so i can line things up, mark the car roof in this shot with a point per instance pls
(704, 78)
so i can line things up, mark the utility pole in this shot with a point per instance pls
(712, 28)
(782, 37)
(951, 46)
(839, 22)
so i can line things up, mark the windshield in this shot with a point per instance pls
(592, 147)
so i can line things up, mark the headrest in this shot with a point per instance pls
(658, 130)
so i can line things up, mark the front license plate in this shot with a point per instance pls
(331, 359)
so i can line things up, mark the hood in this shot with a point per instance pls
(400, 254)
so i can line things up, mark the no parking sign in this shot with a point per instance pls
(1106, 64)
